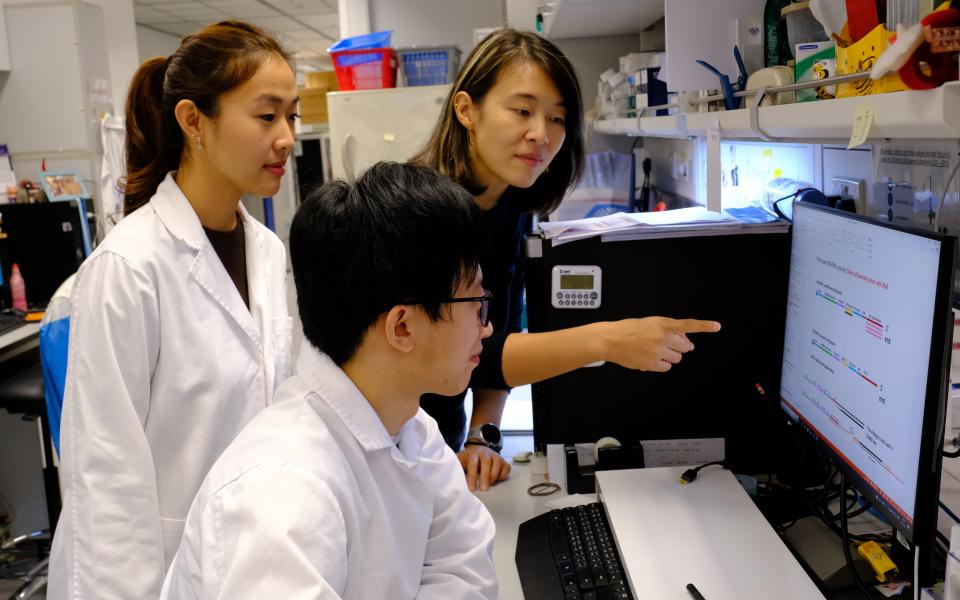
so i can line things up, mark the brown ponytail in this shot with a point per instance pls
(207, 65)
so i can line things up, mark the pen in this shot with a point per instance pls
(695, 592)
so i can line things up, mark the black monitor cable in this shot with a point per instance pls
(691, 474)
(955, 442)
(776, 203)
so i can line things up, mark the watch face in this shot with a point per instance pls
(491, 433)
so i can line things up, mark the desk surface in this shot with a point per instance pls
(25, 335)
(708, 532)
(510, 505)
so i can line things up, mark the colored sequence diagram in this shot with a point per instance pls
(872, 326)
(861, 428)
(843, 361)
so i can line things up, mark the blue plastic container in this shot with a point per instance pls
(377, 39)
(429, 66)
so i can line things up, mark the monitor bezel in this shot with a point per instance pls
(929, 459)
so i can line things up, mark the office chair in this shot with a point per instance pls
(32, 384)
(54, 341)
(34, 579)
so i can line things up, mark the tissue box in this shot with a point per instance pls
(860, 56)
(816, 60)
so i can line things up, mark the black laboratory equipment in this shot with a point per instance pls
(739, 280)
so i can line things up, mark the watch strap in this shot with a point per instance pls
(480, 442)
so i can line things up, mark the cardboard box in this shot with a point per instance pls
(816, 60)
(321, 79)
(860, 56)
(313, 105)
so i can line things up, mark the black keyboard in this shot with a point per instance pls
(9, 322)
(569, 553)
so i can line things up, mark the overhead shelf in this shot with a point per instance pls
(927, 114)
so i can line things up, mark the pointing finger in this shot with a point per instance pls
(695, 326)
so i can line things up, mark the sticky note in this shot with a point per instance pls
(862, 122)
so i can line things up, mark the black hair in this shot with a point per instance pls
(448, 149)
(400, 234)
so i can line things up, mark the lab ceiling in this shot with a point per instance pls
(308, 27)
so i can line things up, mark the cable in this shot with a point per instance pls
(691, 474)
(845, 541)
(955, 442)
(949, 512)
(943, 198)
(776, 207)
(776, 203)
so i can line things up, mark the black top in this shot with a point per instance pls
(232, 251)
(503, 275)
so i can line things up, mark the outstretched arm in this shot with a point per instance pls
(648, 344)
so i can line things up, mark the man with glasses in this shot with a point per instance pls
(344, 488)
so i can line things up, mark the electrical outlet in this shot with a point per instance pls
(851, 188)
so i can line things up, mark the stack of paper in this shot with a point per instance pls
(684, 222)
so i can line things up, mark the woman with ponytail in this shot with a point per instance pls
(180, 331)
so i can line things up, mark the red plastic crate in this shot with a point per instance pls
(367, 69)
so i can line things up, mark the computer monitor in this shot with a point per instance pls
(47, 241)
(867, 354)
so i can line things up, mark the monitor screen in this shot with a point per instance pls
(47, 241)
(866, 353)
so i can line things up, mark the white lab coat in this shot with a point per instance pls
(314, 499)
(166, 365)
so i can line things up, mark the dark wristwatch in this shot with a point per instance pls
(487, 435)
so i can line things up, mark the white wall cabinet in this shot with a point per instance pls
(4, 43)
(592, 18)
(58, 86)
(584, 18)
(522, 14)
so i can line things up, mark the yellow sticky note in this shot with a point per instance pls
(862, 122)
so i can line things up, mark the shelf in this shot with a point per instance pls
(910, 115)
(668, 126)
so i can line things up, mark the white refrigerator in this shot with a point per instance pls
(368, 126)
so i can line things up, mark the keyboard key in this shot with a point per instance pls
(584, 580)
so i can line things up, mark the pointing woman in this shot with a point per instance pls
(511, 132)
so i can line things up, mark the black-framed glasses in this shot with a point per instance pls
(484, 312)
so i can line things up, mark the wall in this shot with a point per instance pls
(121, 43)
(433, 22)
(676, 167)
(121, 47)
(154, 43)
(590, 57)
(4, 48)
